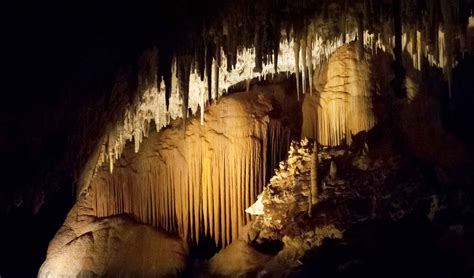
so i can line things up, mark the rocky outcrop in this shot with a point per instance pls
(288, 192)
(357, 186)
(115, 247)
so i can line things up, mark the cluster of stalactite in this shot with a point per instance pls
(201, 188)
(281, 36)
(198, 186)
(154, 104)
(267, 37)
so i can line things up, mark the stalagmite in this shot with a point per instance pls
(314, 178)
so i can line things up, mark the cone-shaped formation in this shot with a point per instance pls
(198, 186)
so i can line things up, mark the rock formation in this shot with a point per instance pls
(87, 246)
(341, 105)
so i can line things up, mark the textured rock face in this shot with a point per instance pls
(198, 182)
(195, 186)
(288, 193)
(115, 246)
(368, 186)
(341, 105)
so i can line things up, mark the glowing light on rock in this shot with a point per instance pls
(152, 103)
(338, 106)
(342, 103)
(199, 185)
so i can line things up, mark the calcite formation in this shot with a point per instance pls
(199, 185)
(341, 105)
(154, 105)
(291, 37)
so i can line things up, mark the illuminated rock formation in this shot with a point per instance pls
(117, 246)
(297, 48)
(199, 185)
(341, 105)
(138, 108)
(151, 105)
(288, 193)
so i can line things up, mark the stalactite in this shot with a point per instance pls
(198, 186)
(303, 59)
(167, 80)
(360, 35)
(449, 11)
(183, 72)
(209, 67)
(296, 49)
(399, 70)
(419, 49)
(208, 207)
(276, 47)
(162, 103)
(309, 61)
(258, 47)
(216, 64)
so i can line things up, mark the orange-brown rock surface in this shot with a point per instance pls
(341, 104)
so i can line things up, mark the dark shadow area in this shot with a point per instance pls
(413, 247)
(268, 247)
(460, 112)
(24, 236)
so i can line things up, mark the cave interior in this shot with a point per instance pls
(238, 138)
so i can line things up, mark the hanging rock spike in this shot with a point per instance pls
(303, 59)
(296, 49)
